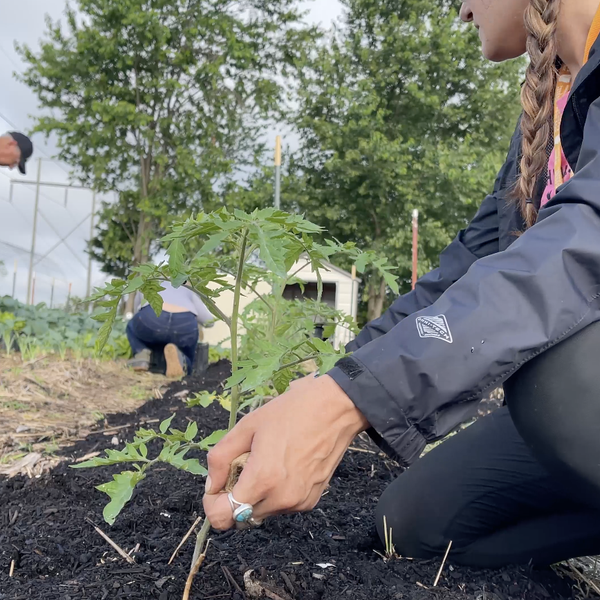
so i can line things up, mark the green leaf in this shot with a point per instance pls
(191, 432)
(391, 281)
(192, 465)
(164, 426)
(176, 252)
(213, 242)
(236, 378)
(150, 291)
(120, 491)
(214, 438)
(203, 399)
(143, 450)
(282, 379)
(133, 285)
(270, 252)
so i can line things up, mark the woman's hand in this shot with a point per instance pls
(296, 442)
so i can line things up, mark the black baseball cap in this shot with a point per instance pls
(25, 146)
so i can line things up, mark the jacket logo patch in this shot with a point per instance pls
(434, 327)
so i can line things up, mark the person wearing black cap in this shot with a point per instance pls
(15, 150)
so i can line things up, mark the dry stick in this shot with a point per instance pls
(194, 572)
(117, 548)
(185, 538)
(583, 577)
(442, 565)
(355, 449)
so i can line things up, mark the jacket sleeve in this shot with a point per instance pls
(479, 239)
(415, 383)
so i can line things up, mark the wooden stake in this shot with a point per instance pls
(12, 568)
(437, 579)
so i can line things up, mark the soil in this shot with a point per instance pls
(328, 554)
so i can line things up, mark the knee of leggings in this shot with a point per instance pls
(416, 531)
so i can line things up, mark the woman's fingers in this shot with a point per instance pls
(295, 443)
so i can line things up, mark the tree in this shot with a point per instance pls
(164, 100)
(400, 111)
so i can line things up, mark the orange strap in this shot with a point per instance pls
(592, 36)
(563, 87)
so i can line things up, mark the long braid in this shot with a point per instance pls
(537, 98)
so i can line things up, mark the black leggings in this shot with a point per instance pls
(520, 485)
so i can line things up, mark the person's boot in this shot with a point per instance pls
(141, 361)
(175, 361)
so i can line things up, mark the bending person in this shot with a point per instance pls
(175, 332)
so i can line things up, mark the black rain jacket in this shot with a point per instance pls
(495, 302)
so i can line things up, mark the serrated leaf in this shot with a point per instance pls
(329, 331)
(236, 378)
(326, 362)
(191, 432)
(391, 281)
(120, 491)
(203, 399)
(225, 402)
(164, 426)
(270, 252)
(150, 291)
(176, 252)
(213, 242)
(282, 379)
(361, 262)
(105, 331)
(133, 285)
(214, 438)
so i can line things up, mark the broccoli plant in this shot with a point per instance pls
(270, 340)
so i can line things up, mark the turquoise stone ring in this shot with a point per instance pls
(242, 512)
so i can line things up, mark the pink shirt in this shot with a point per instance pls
(567, 173)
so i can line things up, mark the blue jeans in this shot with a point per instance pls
(146, 331)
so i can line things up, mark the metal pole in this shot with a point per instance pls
(15, 279)
(35, 216)
(69, 295)
(52, 293)
(353, 305)
(33, 290)
(278, 172)
(89, 271)
(415, 247)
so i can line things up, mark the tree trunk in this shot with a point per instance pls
(141, 250)
(377, 289)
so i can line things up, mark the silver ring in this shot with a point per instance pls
(242, 511)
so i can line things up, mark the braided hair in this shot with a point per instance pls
(537, 98)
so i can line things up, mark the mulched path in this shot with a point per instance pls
(58, 555)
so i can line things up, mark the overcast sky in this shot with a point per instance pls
(23, 21)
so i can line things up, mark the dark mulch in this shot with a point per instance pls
(59, 556)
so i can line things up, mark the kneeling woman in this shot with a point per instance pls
(524, 483)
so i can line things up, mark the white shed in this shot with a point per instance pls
(340, 290)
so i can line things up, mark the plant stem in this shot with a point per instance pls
(200, 539)
(235, 392)
(298, 362)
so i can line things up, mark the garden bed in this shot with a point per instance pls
(45, 529)
(48, 402)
